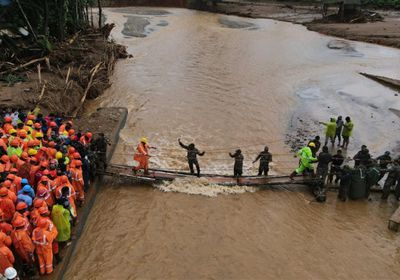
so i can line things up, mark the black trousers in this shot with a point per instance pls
(194, 162)
(263, 168)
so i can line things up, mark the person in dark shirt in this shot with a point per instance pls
(324, 158)
(362, 157)
(384, 161)
(392, 178)
(317, 143)
(192, 153)
(265, 158)
(339, 126)
(337, 161)
(345, 182)
(238, 166)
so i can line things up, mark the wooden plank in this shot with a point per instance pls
(394, 221)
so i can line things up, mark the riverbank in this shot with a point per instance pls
(75, 70)
(386, 32)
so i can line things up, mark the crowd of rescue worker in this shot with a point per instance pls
(44, 173)
(331, 168)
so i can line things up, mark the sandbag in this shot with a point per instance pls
(358, 186)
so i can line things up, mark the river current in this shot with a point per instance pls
(224, 83)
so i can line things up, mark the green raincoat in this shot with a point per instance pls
(61, 217)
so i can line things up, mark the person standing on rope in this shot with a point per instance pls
(142, 156)
(265, 158)
(192, 153)
(238, 166)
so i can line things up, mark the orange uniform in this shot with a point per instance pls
(23, 244)
(43, 240)
(6, 256)
(71, 194)
(6, 205)
(77, 182)
(142, 156)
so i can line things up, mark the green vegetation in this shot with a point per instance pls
(38, 24)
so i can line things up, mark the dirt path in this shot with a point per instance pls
(385, 32)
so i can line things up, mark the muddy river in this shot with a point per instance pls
(225, 83)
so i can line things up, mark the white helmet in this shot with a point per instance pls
(10, 273)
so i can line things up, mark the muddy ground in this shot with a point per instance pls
(386, 32)
(74, 71)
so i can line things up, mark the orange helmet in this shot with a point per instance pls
(24, 155)
(43, 210)
(31, 143)
(31, 117)
(21, 206)
(53, 124)
(45, 173)
(44, 164)
(5, 158)
(71, 132)
(38, 203)
(7, 184)
(89, 134)
(78, 163)
(37, 142)
(19, 222)
(3, 191)
(76, 155)
(71, 150)
(51, 144)
(15, 142)
(22, 133)
(44, 178)
(14, 158)
(11, 177)
(7, 119)
(13, 171)
(37, 125)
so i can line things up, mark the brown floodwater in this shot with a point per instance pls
(227, 82)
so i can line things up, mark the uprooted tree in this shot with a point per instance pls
(33, 26)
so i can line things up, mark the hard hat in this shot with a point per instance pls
(31, 143)
(26, 189)
(37, 142)
(24, 181)
(33, 160)
(10, 273)
(32, 152)
(89, 134)
(71, 150)
(7, 119)
(31, 117)
(44, 178)
(12, 131)
(14, 158)
(10, 176)
(44, 164)
(3, 191)
(46, 172)
(37, 125)
(144, 140)
(311, 144)
(76, 155)
(65, 133)
(39, 135)
(58, 155)
(21, 205)
(38, 203)
(14, 142)
(78, 163)
(5, 158)
(71, 132)
(13, 171)
(29, 123)
(53, 124)
(19, 221)
(24, 155)
(51, 144)
(22, 133)
(7, 184)
(43, 210)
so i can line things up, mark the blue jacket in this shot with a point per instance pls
(25, 198)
